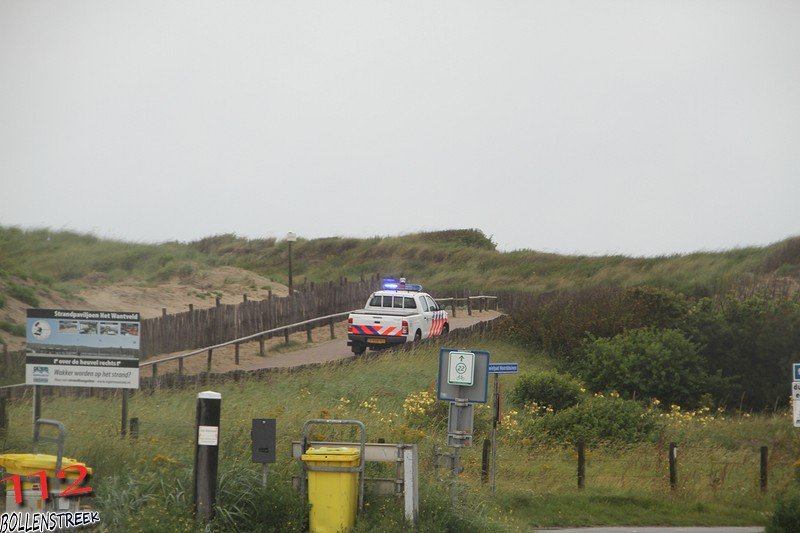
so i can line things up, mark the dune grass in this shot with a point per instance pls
(445, 261)
(390, 392)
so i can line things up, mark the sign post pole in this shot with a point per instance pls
(497, 369)
(796, 394)
(124, 412)
(495, 419)
(463, 381)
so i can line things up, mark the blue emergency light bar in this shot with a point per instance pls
(390, 284)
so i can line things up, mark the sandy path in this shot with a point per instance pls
(321, 350)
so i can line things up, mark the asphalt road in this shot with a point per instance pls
(338, 349)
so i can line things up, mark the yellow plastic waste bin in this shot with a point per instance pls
(333, 495)
(27, 465)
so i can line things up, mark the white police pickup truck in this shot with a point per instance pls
(400, 312)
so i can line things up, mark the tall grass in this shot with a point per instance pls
(445, 261)
(144, 484)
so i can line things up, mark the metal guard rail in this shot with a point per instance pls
(243, 339)
(452, 301)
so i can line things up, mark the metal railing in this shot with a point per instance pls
(482, 301)
(260, 336)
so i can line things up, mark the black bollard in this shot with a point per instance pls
(206, 454)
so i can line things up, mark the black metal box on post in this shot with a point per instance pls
(264, 437)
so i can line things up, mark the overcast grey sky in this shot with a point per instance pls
(622, 126)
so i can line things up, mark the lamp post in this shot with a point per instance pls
(290, 238)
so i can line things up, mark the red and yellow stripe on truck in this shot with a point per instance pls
(439, 320)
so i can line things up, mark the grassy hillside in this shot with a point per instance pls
(37, 264)
(444, 261)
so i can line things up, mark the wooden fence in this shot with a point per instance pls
(197, 328)
(177, 379)
(12, 363)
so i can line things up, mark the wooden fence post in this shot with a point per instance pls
(286, 335)
(763, 469)
(163, 311)
(581, 464)
(673, 465)
(261, 346)
(180, 366)
(333, 335)
(308, 333)
(191, 308)
(236, 353)
(454, 306)
(209, 360)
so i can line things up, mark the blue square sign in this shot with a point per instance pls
(796, 372)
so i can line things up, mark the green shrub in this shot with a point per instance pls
(15, 329)
(741, 335)
(647, 363)
(186, 269)
(23, 293)
(558, 322)
(546, 389)
(598, 419)
(786, 516)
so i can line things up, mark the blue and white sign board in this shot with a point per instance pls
(454, 381)
(796, 394)
(70, 348)
(796, 412)
(461, 368)
(503, 368)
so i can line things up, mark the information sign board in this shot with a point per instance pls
(461, 368)
(474, 393)
(82, 348)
